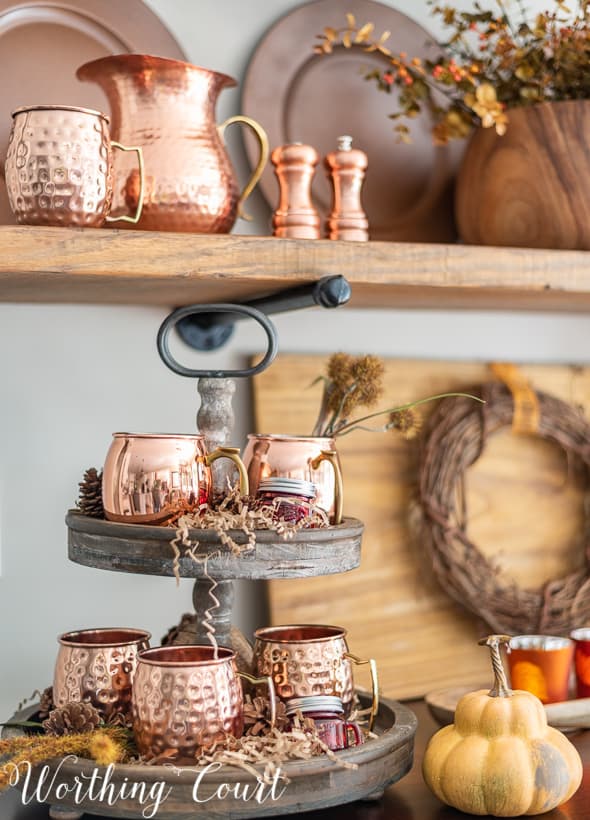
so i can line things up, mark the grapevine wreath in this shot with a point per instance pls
(455, 438)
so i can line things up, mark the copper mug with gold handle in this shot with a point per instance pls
(311, 659)
(311, 458)
(168, 107)
(148, 477)
(97, 666)
(186, 698)
(59, 168)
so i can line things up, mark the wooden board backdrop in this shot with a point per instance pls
(523, 510)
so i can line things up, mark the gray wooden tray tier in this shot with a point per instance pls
(143, 549)
(313, 784)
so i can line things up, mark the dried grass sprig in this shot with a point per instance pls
(358, 382)
(396, 411)
(105, 745)
(351, 382)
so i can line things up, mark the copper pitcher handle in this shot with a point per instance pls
(332, 457)
(272, 695)
(374, 684)
(262, 138)
(133, 219)
(233, 453)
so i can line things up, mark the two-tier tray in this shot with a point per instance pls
(312, 784)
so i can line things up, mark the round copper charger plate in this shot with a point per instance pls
(314, 784)
(147, 550)
(299, 96)
(42, 43)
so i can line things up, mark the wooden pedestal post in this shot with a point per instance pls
(215, 420)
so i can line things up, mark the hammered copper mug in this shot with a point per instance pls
(59, 167)
(310, 659)
(148, 477)
(312, 458)
(186, 698)
(97, 666)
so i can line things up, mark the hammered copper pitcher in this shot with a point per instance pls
(168, 108)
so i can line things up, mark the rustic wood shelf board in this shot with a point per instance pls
(147, 550)
(313, 784)
(100, 266)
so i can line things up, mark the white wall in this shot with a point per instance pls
(72, 375)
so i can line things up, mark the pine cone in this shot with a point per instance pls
(90, 495)
(186, 620)
(45, 703)
(72, 718)
(257, 716)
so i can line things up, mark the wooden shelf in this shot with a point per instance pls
(142, 268)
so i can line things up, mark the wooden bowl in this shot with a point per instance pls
(443, 702)
(529, 188)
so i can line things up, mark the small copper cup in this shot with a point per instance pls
(311, 458)
(304, 660)
(148, 477)
(541, 664)
(186, 698)
(59, 167)
(97, 666)
(581, 639)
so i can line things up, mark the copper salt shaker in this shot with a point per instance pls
(295, 217)
(346, 169)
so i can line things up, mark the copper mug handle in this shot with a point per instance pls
(271, 692)
(233, 453)
(374, 683)
(133, 219)
(332, 457)
(262, 138)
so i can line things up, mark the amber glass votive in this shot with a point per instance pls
(541, 664)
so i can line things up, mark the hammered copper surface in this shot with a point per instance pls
(42, 44)
(294, 457)
(59, 167)
(168, 108)
(305, 660)
(185, 699)
(98, 665)
(148, 477)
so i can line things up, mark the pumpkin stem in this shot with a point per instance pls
(500, 689)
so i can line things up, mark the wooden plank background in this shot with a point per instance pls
(524, 509)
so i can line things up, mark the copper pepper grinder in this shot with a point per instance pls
(296, 217)
(346, 167)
